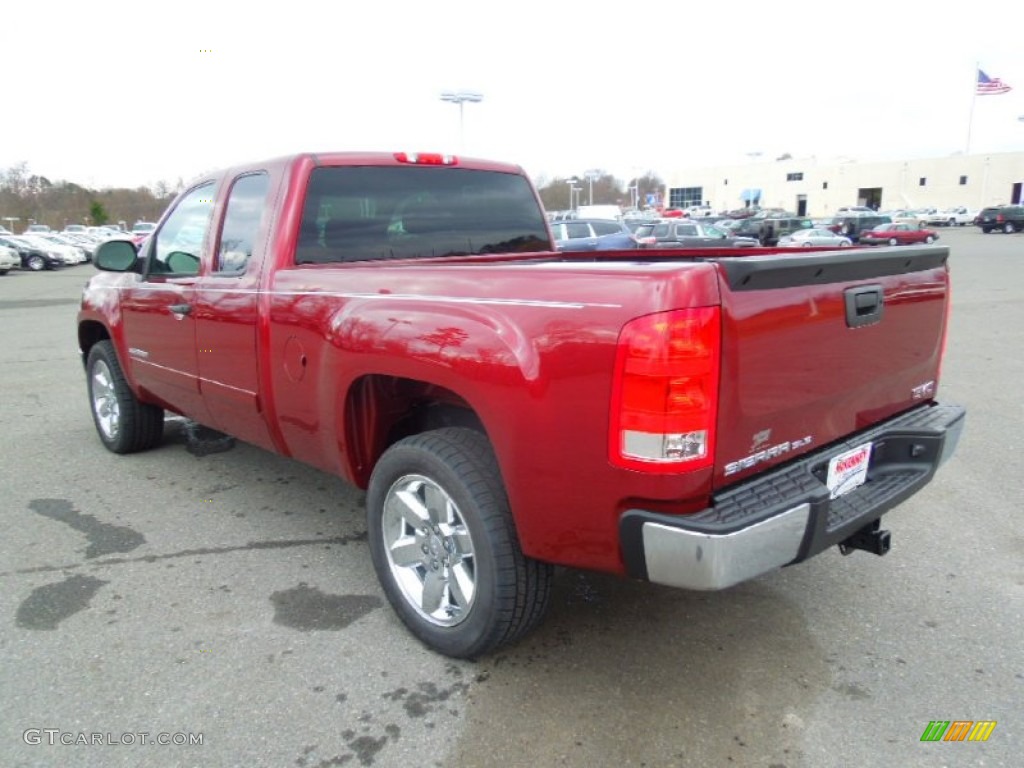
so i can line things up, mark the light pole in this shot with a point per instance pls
(572, 185)
(460, 98)
(10, 221)
(576, 191)
(590, 176)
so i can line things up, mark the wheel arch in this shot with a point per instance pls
(379, 410)
(90, 332)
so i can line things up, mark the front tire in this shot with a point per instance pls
(893, 241)
(445, 548)
(124, 424)
(1008, 228)
(929, 239)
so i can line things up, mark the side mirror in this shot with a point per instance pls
(116, 256)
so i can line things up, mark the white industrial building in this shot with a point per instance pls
(813, 187)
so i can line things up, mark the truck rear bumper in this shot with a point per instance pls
(786, 515)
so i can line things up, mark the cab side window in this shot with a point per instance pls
(178, 245)
(245, 208)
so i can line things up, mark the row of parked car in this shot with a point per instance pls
(766, 229)
(39, 248)
(696, 228)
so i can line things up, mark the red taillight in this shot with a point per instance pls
(999, 217)
(665, 392)
(425, 158)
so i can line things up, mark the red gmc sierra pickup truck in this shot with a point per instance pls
(694, 418)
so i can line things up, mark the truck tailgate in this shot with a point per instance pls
(819, 345)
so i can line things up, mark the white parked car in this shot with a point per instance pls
(9, 259)
(144, 227)
(814, 237)
(69, 254)
(959, 216)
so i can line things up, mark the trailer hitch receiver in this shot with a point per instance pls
(870, 538)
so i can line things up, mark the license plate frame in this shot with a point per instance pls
(848, 471)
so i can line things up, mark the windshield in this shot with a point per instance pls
(357, 213)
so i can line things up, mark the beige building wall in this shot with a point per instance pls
(828, 185)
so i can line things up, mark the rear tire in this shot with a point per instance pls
(1008, 228)
(893, 241)
(124, 424)
(445, 548)
(36, 263)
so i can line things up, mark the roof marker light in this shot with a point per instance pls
(425, 158)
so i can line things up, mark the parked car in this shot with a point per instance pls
(143, 227)
(914, 216)
(699, 211)
(853, 226)
(814, 237)
(9, 259)
(1001, 218)
(898, 233)
(83, 241)
(34, 228)
(686, 233)
(33, 257)
(67, 253)
(768, 229)
(592, 235)
(86, 250)
(74, 229)
(951, 217)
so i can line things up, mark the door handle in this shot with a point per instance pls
(180, 309)
(864, 305)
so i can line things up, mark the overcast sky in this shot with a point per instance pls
(110, 93)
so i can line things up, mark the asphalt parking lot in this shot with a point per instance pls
(228, 596)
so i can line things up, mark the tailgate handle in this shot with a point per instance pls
(863, 305)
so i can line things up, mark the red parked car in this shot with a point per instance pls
(898, 234)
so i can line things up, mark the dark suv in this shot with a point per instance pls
(1001, 218)
(769, 229)
(853, 226)
(685, 233)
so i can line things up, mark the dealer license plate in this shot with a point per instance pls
(848, 471)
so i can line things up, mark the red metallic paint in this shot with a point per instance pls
(318, 361)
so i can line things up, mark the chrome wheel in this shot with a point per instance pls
(429, 550)
(104, 401)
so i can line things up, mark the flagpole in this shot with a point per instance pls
(974, 98)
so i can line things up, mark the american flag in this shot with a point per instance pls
(988, 86)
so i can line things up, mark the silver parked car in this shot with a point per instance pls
(814, 237)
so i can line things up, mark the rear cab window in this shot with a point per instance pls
(361, 213)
